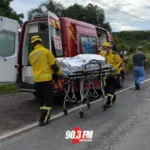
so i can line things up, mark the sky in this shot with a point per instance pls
(123, 15)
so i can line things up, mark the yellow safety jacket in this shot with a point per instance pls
(115, 60)
(41, 60)
(102, 53)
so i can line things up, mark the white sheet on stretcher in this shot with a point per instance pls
(77, 63)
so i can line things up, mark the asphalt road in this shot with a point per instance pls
(20, 109)
(125, 126)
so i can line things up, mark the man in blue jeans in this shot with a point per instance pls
(138, 67)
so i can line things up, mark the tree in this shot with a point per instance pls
(52, 6)
(133, 39)
(7, 11)
(123, 47)
(34, 11)
(107, 26)
(75, 11)
(145, 44)
(90, 14)
(94, 15)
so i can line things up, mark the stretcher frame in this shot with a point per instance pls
(85, 93)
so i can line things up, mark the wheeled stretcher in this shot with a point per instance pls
(85, 80)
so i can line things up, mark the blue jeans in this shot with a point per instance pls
(139, 74)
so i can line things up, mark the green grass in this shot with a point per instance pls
(6, 89)
(130, 64)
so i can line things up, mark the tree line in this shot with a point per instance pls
(90, 13)
(125, 40)
(130, 40)
(7, 11)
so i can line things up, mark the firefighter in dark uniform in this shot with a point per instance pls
(111, 81)
(44, 66)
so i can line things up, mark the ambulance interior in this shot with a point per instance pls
(101, 37)
(35, 28)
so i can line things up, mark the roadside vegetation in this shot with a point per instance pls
(8, 88)
(129, 41)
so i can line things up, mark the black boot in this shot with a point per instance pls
(114, 98)
(108, 103)
(137, 86)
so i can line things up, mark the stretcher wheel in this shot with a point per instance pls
(81, 114)
(88, 105)
(65, 112)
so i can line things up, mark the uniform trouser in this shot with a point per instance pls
(139, 74)
(44, 92)
(110, 84)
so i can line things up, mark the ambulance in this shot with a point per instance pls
(8, 49)
(65, 37)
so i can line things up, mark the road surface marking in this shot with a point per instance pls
(30, 126)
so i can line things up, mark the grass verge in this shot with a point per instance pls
(9, 88)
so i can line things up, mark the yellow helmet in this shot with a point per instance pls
(35, 38)
(106, 44)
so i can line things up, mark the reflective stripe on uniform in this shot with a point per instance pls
(112, 96)
(48, 112)
(46, 108)
(45, 65)
(42, 77)
(36, 54)
(104, 79)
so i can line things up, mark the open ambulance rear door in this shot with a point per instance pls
(8, 49)
(55, 41)
(49, 30)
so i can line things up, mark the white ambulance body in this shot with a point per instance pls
(8, 49)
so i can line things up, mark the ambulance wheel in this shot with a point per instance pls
(81, 114)
(121, 81)
(88, 105)
(65, 112)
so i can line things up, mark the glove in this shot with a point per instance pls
(64, 75)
